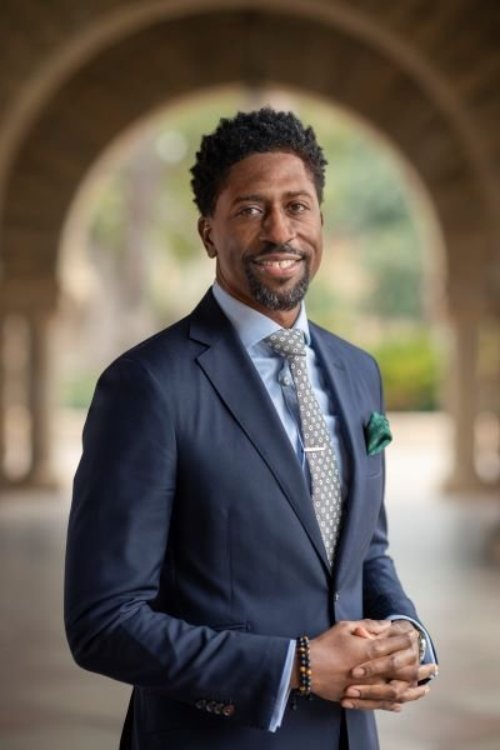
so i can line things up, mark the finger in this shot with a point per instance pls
(414, 693)
(427, 672)
(396, 691)
(399, 666)
(371, 705)
(363, 632)
(375, 627)
(402, 626)
(382, 691)
(389, 655)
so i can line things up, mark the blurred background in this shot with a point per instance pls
(103, 108)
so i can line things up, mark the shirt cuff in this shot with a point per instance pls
(430, 654)
(283, 689)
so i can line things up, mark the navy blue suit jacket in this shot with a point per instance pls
(194, 554)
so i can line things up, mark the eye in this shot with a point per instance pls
(249, 211)
(297, 207)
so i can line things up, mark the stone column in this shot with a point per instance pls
(40, 402)
(34, 301)
(3, 405)
(463, 404)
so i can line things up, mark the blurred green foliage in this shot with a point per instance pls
(411, 369)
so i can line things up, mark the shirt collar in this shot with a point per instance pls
(251, 325)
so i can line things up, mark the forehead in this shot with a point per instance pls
(268, 172)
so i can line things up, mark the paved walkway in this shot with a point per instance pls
(49, 704)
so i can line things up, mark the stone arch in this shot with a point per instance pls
(348, 61)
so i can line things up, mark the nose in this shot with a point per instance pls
(276, 227)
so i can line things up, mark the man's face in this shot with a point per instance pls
(266, 233)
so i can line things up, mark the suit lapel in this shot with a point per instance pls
(339, 381)
(233, 375)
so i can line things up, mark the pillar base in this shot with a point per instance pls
(458, 484)
(40, 481)
(492, 546)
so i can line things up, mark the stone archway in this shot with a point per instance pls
(350, 60)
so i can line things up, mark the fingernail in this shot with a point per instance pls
(358, 672)
(347, 704)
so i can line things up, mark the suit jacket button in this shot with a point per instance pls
(228, 709)
(201, 704)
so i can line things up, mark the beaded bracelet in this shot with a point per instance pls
(305, 673)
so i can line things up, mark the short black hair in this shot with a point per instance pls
(249, 133)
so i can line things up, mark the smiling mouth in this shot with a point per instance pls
(282, 263)
(278, 280)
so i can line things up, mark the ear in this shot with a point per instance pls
(205, 232)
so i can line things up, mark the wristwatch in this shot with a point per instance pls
(422, 646)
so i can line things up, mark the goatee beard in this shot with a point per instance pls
(276, 300)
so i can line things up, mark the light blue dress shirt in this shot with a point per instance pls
(252, 327)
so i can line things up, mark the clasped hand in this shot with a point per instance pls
(369, 664)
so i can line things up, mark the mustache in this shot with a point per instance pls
(273, 248)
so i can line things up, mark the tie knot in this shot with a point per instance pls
(288, 342)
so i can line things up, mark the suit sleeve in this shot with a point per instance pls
(119, 523)
(383, 595)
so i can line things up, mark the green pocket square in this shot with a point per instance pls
(377, 433)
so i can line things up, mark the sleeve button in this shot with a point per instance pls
(228, 709)
(201, 704)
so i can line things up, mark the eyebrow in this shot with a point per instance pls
(261, 199)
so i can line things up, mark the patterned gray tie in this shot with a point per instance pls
(325, 478)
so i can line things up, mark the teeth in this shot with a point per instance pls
(279, 263)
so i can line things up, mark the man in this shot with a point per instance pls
(226, 503)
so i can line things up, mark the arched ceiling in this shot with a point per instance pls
(149, 67)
